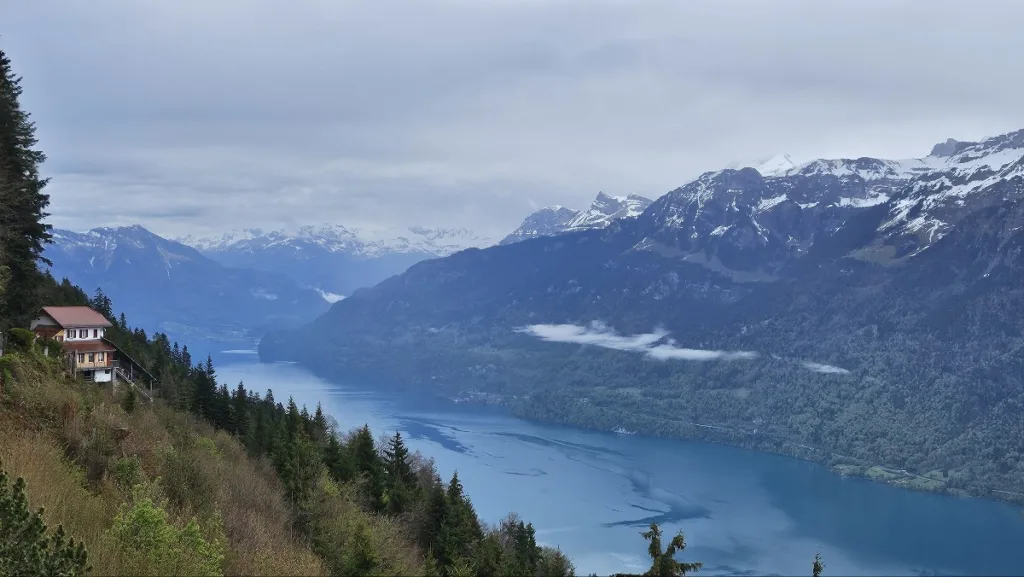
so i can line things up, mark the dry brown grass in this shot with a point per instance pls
(64, 437)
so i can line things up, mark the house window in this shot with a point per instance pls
(92, 357)
(95, 333)
(99, 357)
(71, 334)
(81, 357)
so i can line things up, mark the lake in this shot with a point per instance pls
(591, 493)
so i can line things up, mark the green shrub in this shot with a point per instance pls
(127, 473)
(151, 545)
(20, 340)
(25, 547)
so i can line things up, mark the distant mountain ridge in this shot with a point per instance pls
(166, 286)
(434, 242)
(553, 220)
(884, 300)
(334, 259)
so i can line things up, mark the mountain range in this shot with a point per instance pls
(333, 259)
(866, 313)
(165, 286)
(554, 220)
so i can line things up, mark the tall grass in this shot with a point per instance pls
(80, 453)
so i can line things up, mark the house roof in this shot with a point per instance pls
(76, 317)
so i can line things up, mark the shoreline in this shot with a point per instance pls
(899, 478)
(835, 463)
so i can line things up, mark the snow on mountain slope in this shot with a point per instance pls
(554, 220)
(434, 242)
(974, 177)
(548, 221)
(753, 221)
(776, 165)
(606, 209)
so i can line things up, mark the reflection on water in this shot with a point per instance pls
(743, 513)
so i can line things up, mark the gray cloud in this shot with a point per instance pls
(600, 335)
(460, 113)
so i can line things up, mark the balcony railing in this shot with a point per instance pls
(88, 366)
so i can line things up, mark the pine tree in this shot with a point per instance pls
(319, 422)
(461, 529)
(293, 419)
(25, 546)
(400, 479)
(240, 411)
(818, 566)
(432, 533)
(23, 233)
(367, 464)
(102, 304)
(664, 564)
(337, 461)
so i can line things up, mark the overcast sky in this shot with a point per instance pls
(197, 116)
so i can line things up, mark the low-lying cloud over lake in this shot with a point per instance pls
(827, 369)
(600, 335)
(656, 345)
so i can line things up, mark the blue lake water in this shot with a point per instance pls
(591, 493)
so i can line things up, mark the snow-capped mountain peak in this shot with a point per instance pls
(548, 221)
(605, 209)
(554, 220)
(784, 211)
(776, 165)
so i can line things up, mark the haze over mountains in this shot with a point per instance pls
(867, 290)
(173, 288)
(332, 258)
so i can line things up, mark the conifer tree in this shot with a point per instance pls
(432, 533)
(400, 479)
(664, 564)
(461, 529)
(240, 411)
(26, 548)
(818, 566)
(367, 464)
(336, 460)
(293, 419)
(101, 303)
(320, 421)
(23, 203)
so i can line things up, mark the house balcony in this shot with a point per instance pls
(89, 366)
